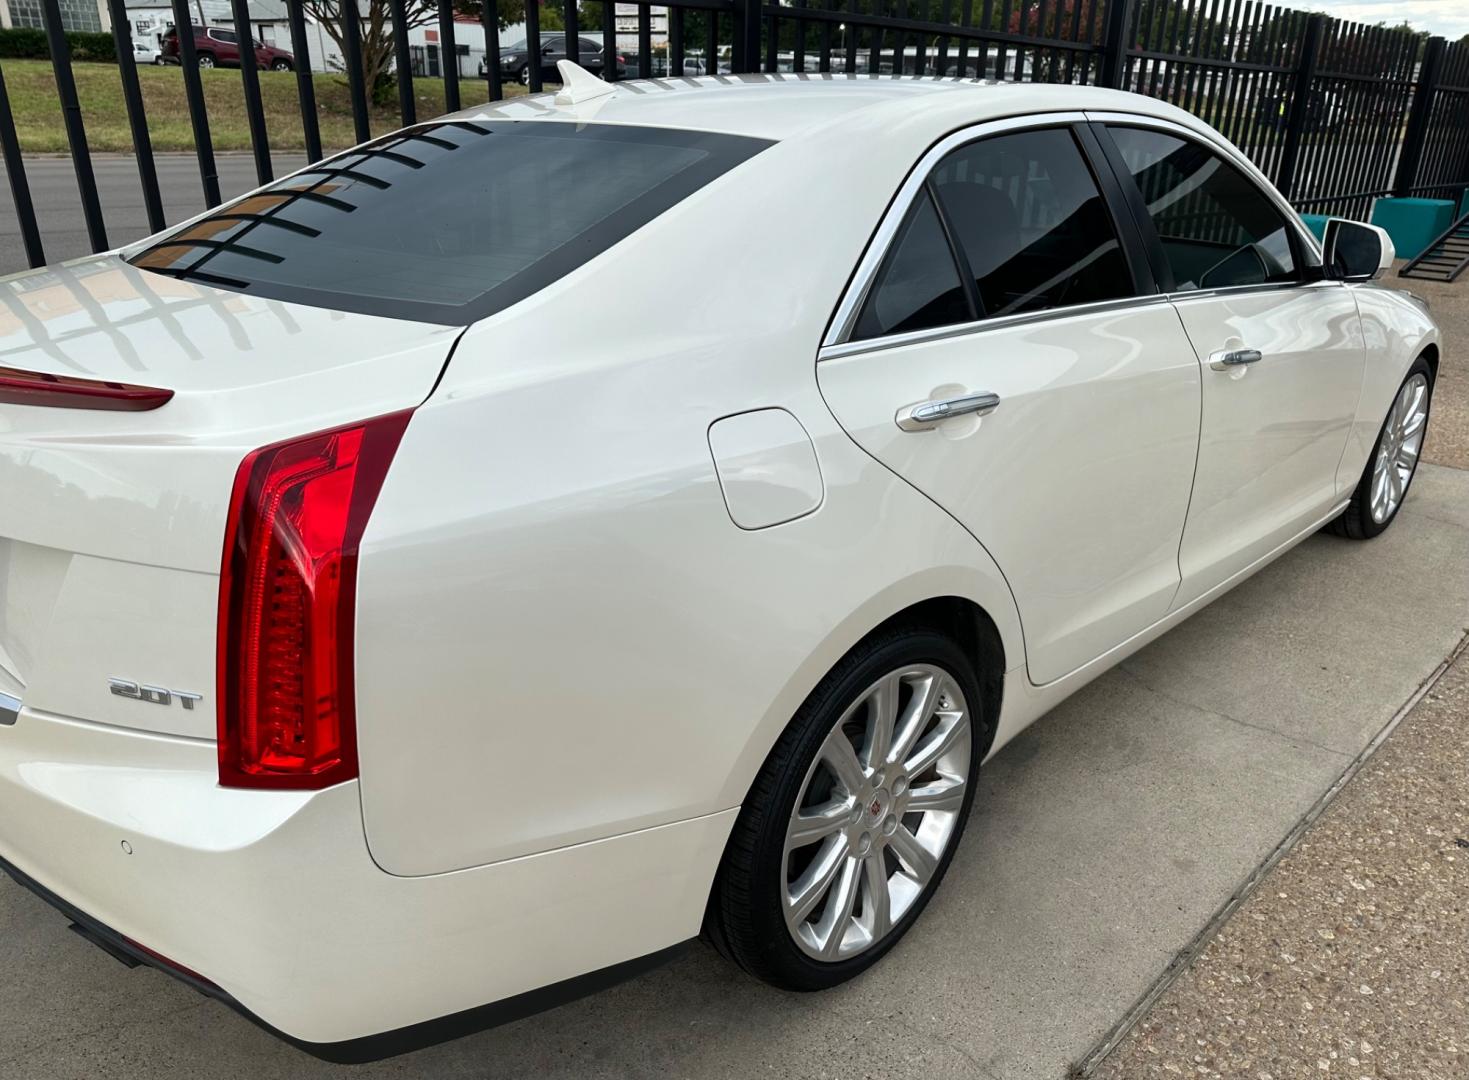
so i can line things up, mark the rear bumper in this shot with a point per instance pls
(369, 1047)
(271, 903)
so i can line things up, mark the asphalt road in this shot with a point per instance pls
(59, 206)
(1103, 838)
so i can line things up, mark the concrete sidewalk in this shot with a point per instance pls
(1103, 839)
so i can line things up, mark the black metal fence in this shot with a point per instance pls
(1336, 113)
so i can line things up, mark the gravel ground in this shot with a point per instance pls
(1351, 958)
(1448, 431)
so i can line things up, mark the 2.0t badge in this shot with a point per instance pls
(154, 695)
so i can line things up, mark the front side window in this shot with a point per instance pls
(1030, 223)
(447, 222)
(1217, 228)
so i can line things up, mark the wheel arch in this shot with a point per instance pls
(981, 620)
(1430, 353)
(961, 617)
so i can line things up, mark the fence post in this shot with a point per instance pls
(20, 189)
(1419, 113)
(1300, 102)
(1114, 43)
(71, 116)
(745, 55)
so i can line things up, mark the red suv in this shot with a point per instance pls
(218, 46)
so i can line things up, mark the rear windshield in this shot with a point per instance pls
(446, 222)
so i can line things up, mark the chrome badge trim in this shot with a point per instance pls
(153, 695)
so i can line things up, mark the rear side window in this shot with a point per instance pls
(918, 285)
(447, 222)
(1030, 223)
(1217, 228)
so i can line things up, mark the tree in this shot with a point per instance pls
(376, 22)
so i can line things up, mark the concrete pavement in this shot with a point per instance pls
(1103, 839)
(1349, 959)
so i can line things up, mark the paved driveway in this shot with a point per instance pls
(1103, 839)
(58, 206)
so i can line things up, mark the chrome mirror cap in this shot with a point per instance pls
(1356, 251)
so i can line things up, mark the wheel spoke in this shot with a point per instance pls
(839, 756)
(876, 901)
(944, 795)
(811, 886)
(882, 716)
(952, 727)
(838, 914)
(920, 710)
(916, 858)
(1414, 423)
(817, 823)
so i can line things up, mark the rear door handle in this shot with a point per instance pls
(1223, 361)
(925, 414)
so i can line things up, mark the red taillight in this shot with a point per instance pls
(19, 387)
(287, 602)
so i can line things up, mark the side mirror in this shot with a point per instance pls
(1353, 251)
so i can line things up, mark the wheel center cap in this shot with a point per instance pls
(878, 806)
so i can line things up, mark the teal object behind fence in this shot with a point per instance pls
(1316, 223)
(1413, 224)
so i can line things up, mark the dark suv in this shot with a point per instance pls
(515, 59)
(219, 46)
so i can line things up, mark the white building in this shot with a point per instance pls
(84, 15)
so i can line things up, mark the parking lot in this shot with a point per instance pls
(1104, 838)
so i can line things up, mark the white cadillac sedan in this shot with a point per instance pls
(441, 582)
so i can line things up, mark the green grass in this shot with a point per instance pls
(37, 111)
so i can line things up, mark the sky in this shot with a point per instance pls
(1446, 18)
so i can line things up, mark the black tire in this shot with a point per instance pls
(206, 60)
(745, 919)
(1356, 521)
(280, 65)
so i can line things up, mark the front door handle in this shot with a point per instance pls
(925, 414)
(1223, 361)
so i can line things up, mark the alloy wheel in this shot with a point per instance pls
(1399, 447)
(876, 812)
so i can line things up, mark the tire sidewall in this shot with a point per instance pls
(814, 722)
(1370, 527)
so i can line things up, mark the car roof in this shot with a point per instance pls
(779, 106)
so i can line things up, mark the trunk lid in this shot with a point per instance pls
(112, 522)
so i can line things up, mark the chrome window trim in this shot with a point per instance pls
(840, 328)
(980, 326)
(1213, 141)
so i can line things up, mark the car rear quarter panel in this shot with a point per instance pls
(562, 635)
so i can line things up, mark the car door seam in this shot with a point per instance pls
(1198, 454)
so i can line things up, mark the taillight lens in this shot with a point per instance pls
(287, 604)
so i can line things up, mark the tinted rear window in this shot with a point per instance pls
(447, 222)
